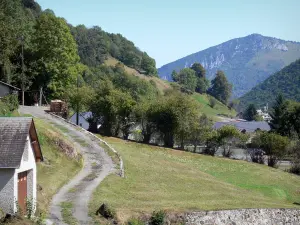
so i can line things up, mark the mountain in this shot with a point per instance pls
(246, 61)
(286, 81)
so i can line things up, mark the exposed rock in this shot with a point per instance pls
(106, 211)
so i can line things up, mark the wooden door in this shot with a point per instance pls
(22, 190)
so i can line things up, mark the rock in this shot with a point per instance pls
(106, 211)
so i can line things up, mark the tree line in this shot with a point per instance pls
(193, 79)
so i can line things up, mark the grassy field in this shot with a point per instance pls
(162, 85)
(57, 169)
(219, 108)
(159, 178)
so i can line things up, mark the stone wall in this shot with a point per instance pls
(245, 216)
(7, 199)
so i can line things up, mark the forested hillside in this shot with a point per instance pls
(246, 61)
(286, 82)
(52, 53)
(100, 72)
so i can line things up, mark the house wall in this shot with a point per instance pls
(27, 164)
(82, 122)
(7, 198)
(4, 90)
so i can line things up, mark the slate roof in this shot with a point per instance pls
(13, 135)
(251, 126)
(13, 87)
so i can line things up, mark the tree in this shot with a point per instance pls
(274, 145)
(228, 137)
(200, 131)
(250, 113)
(58, 61)
(202, 85)
(199, 70)
(187, 78)
(148, 64)
(221, 89)
(175, 76)
(279, 115)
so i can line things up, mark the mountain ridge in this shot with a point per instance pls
(247, 61)
(285, 81)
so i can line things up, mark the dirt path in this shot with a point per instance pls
(97, 165)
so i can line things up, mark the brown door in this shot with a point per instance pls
(22, 190)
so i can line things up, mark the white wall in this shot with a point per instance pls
(28, 163)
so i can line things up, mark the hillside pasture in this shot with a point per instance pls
(178, 181)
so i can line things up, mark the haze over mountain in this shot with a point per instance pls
(246, 61)
(286, 81)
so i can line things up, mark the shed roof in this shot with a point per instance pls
(13, 87)
(251, 126)
(13, 138)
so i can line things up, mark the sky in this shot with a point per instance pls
(171, 29)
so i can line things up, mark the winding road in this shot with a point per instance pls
(97, 165)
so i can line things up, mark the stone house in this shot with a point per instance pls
(19, 152)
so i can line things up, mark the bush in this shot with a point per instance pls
(212, 102)
(11, 101)
(4, 110)
(157, 218)
(295, 168)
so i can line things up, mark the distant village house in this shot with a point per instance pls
(83, 120)
(20, 151)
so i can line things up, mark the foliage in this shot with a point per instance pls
(228, 137)
(221, 89)
(95, 45)
(157, 218)
(11, 101)
(212, 102)
(279, 122)
(200, 131)
(285, 81)
(294, 151)
(274, 145)
(187, 78)
(57, 55)
(250, 113)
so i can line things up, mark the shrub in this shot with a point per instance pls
(4, 110)
(212, 102)
(157, 218)
(11, 101)
(295, 168)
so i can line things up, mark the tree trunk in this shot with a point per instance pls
(169, 140)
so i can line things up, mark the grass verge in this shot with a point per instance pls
(57, 169)
(159, 178)
(66, 212)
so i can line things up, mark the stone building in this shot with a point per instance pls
(19, 152)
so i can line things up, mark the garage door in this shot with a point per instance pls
(22, 190)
